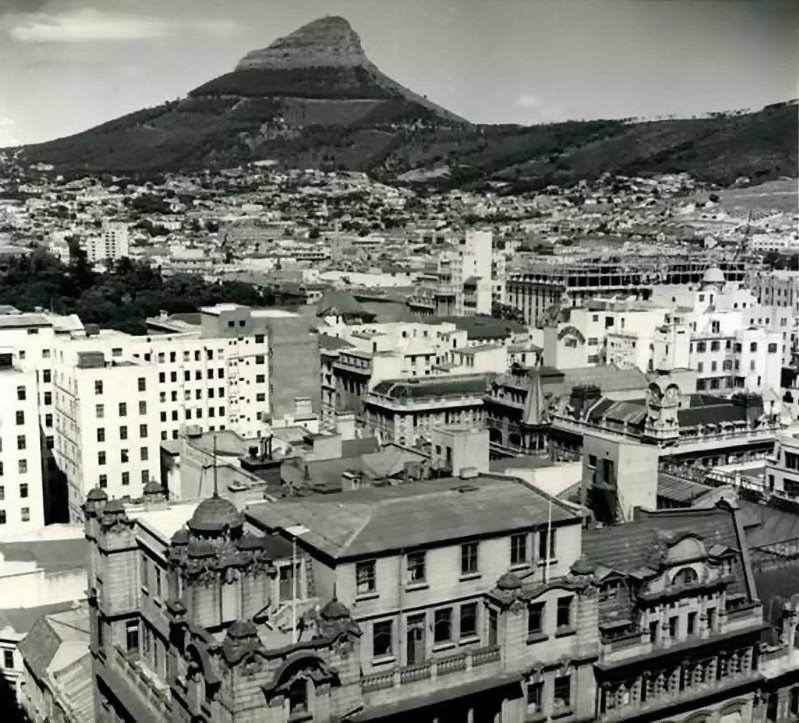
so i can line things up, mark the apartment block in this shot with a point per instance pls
(21, 489)
(106, 433)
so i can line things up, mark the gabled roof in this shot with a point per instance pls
(379, 520)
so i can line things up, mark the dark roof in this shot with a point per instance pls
(358, 446)
(529, 461)
(380, 519)
(21, 620)
(342, 303)
(608, 377)
(709, 410)
(423, 387)
(633, 546)
(677, 489)
(214, 514)
(50, 555)
(332, 343)
(49, 632)
(483, 327)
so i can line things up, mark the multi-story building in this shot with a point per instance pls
(107, 434)
(21, 489)
(408, 411)
(536, 292)
(455, 632)
(463, 281)
(113, 242)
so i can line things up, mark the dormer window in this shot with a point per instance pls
(686, 576)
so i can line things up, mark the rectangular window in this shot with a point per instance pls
(143, 431)
(8, 659)
(535, 619)
(99, 411)
(101, 434)
(101, 458)
(26, 514)
(673, 625)
(365, 577)
(382, 638)
(565, 612)
(518, 549)
(125, 479)
(563, 693)
(442, 625)
(21, 395)
(123, 432)
(157, 581)
(123, 409)
(132, 636)
(144, 454)
(416, 567)
(98, 386)
(468, 558)
(102, 480)
(468, 620)
(123, 456)
(22, 466)
(21, 442)
(2, 517)
(20, 418)
(691, 629)
(142, 384)
(546, 551)
(654, 626)
(142, 407)
(535, 697)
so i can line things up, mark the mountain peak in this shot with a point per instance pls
(325, 42)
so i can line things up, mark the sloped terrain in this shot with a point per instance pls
(313, 99)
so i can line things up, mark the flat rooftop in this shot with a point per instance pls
(165, 523)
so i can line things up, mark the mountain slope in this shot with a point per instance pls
(314, 99)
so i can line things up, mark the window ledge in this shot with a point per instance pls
(535, 717)
(470, 576)
(562, 713)
(384, 660)
(443, 646)
(565, 632)
(411, 586)
(366, 596)
(543, 563)
(537, 638)
(469, 640)
(520, 566)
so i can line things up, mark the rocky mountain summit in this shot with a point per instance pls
(325, 42)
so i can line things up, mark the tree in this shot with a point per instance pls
(507, 312)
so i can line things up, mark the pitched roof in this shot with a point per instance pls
(381, 519)
(483, 327)
(19, 621)
(633, 546)
(677, 489)
(608, 377)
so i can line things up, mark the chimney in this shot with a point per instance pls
(345, 425)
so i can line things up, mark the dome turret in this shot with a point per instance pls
(215, 515)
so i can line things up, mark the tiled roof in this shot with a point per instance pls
(677, 489)
(389, 461)
(21, 620)
(381, 519)
(632, 546)
(332, 343)
(608, 378)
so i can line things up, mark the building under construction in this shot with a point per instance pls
(535, 291)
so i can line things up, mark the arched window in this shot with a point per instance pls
(686, 576)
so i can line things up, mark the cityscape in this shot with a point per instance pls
(329, 396)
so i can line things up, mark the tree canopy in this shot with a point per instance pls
(122, 298)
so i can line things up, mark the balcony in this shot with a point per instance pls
(423, 678)
(151, 692)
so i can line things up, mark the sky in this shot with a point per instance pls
(66, 65)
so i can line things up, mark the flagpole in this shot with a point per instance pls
(294, 588)
(549, 540)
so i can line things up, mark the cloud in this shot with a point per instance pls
(537, 109)
(87, 24)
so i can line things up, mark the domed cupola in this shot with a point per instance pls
(215, 516)
(336, 619)
(241, 639)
